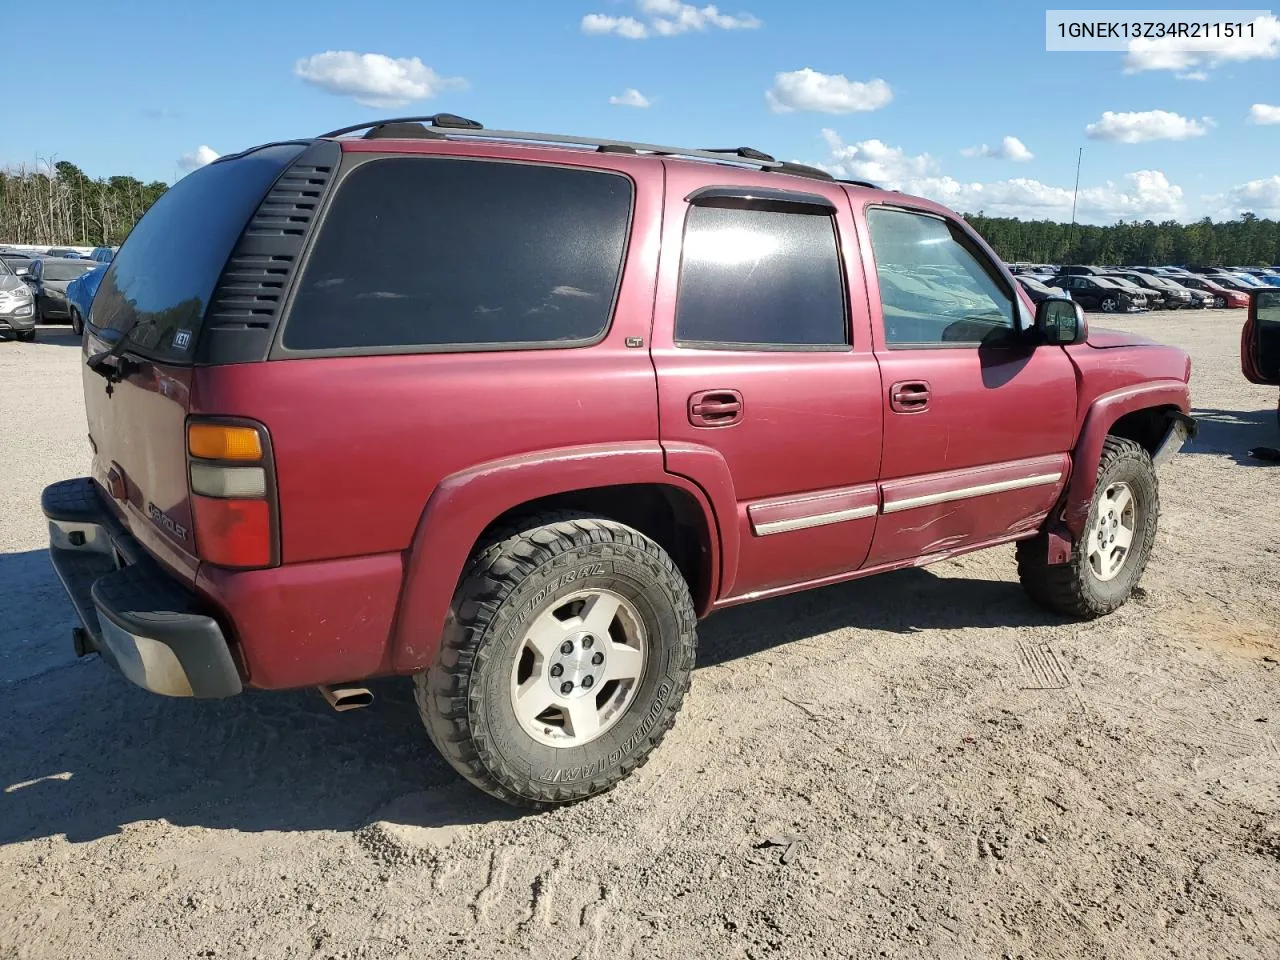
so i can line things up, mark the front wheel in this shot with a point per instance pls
(1109, 558)
(1109, 305)
(564, 662)
(26, 336)
(77, 324)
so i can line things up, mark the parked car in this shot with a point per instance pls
(63, 253)
(1084, 270)
(1260, 342)
(1159, 291)
(80, 293)
(48, 278)
(1153, 300)
(20, 265)
(1038, 290)
(103, 254)
(1222, 296)
(17, 306)
(1232, 282)
(1101, 293)
(563, 452)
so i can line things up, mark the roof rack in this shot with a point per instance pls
(448, 126)
(861, 183)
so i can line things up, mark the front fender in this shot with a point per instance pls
(465, 503)
(1101, 417)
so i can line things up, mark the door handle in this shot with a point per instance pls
(909, 396)
(715, 408)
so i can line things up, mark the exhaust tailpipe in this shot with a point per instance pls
(344, 698)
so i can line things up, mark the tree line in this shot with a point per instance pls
(1246, 242)
(57, 204)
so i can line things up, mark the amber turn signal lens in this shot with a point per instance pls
(212, 441)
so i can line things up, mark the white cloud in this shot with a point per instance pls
(374, 79)
(875, 160)
(1144, 194)
(1257, 196)
(1146, 125)
(198, 157)
(1188, 57)
(667, 18)
(631, 97)
(808, 89)
(1010, 148)
(1264, 113)
(628, 27)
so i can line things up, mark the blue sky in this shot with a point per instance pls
(902, 93)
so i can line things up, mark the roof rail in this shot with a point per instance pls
(861, 183)
(452, 126)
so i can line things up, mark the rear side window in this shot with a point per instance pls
(760, 278)
(164, 274)
(426, 252)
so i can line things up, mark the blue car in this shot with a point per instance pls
(80, 293)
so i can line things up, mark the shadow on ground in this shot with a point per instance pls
(1235, 433)
(84, 752)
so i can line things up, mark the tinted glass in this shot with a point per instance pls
(164, 273)
(933, 289)
(5, 271)
(760, 278)
(434, 252)
(55, 270)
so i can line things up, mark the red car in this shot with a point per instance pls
(1222, 296)
(508, 413)
(1260, 341)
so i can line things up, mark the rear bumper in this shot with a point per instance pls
(135, 615)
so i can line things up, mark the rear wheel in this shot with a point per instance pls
(1220, 303)
(1109, 558)
(77, 322)
(564, 662)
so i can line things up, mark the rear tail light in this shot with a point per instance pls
(233, 503)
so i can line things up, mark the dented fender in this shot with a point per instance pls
(465, 503)
(1100, 418)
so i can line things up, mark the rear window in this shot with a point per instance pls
(65, 271)
(435, 253)
(163, 275)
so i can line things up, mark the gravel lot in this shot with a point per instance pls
(917, 765)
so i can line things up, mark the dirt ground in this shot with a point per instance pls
(917, 765)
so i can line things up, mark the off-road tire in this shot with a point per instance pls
(1071, 588)
(464, 697)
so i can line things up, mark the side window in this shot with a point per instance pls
(427, 252)
(1079, 283)
(933, 289)
(760, 278)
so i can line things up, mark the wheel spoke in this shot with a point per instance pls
(533, 697)
(1121, 500)
(1124, 537)
(598, 613)
(546, 634)
(582, 719)
(625, 663)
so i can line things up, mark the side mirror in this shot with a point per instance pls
(1260, 340)
(1060, 321)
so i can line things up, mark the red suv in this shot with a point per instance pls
(508, 413)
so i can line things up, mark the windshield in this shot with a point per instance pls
(1031, 283)
(4, 269)
(1105, 282)
(1124, 284)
